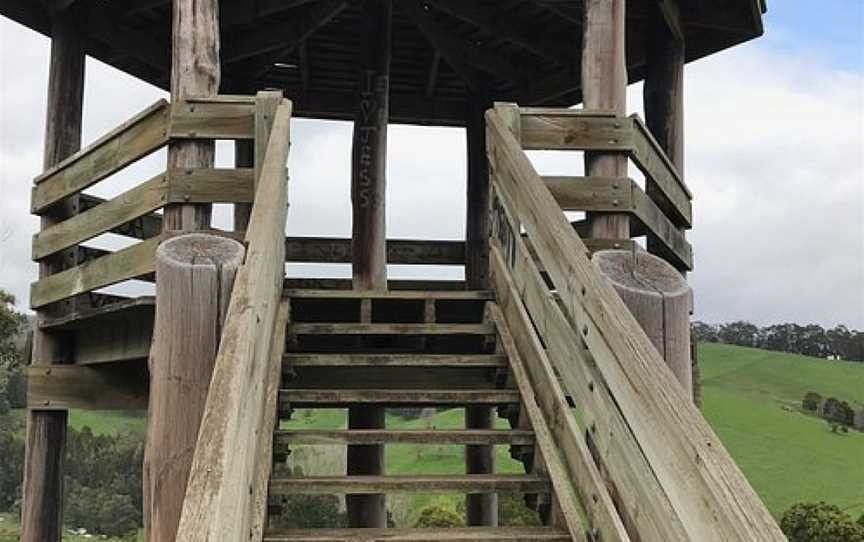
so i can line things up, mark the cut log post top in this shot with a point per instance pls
(659, 298)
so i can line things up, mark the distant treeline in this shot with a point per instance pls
(838, 342)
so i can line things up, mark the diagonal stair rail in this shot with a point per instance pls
(226, 494)
(662, 466)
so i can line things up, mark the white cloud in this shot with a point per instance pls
(775, 157)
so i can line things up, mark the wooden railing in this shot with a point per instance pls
(131, 214)
(644, 463)
(226, 493)
(662, 211)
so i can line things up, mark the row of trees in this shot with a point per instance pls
(809, 340)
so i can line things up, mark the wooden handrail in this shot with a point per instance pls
(668, 472)
(220, 503)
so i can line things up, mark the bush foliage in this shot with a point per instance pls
(820, 522)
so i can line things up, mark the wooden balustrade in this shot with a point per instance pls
(660, 212)
(641, 453)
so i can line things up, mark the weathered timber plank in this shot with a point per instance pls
(391, 329)
(291, 397)
(474, 483)
(399, 251)
(390, 377)
(707, 490)
(212, 120)
(345, 284)
(480, 295)
(135, 203)
(566, 454)
(394, 360)
(622, 195)
(210, 185)
(563, 455)
(283, 439)
(219, 504)
(125, 264)
(613, 134)
(96, 314)
(107, 387)
(265, 443)
(142, 227)
(460, 534)
(133, 140)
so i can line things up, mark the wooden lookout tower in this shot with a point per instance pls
(569, 330)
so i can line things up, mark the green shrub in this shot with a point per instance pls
(811, 401)
(310, 512)
(436, 516)
(11, 463)
(514, 512)
(820, 522)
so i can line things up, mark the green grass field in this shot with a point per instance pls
(786, 455)
(750, 397)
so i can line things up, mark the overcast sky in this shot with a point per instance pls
(774, 156)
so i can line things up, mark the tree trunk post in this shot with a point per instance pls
(477, 197)
(196, 273)
(604, 87)
(42, 517)
(188, 314)
(369, 234)
(480, 509)
(663, 98)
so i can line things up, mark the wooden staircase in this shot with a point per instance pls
(395, 350)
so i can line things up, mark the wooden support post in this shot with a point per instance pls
(477, 200)
(195, 71)
(481, 509)
(42, 515)
(189, 294)
(604, 87)
(663, 99)
(196, 273)
(369, 235)
(369, 149)
(244, 156)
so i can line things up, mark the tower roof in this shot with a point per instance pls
(526, 51)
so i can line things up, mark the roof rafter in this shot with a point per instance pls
(466, 58)
(506, 27)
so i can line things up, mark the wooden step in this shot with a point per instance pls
(509, 534)
(305, 398)
(395, 360)
(285, 438)
(391, 329)
(481, 295)
(438, 483)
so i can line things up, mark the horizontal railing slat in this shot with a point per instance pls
(211, 185)
(213, 120)
(137, 202)
(623, 195)
(600, 132)
(399, 251)
(128, 263)
(135, 139)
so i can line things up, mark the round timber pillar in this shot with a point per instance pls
(659, 298)
(196, 274)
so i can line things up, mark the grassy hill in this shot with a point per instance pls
(786, 455)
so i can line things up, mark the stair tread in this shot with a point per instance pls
(403, 360)
(427, 483)
(418, 535)
(390, 294)
(381, 436)
(303, 328)
(396, 397)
